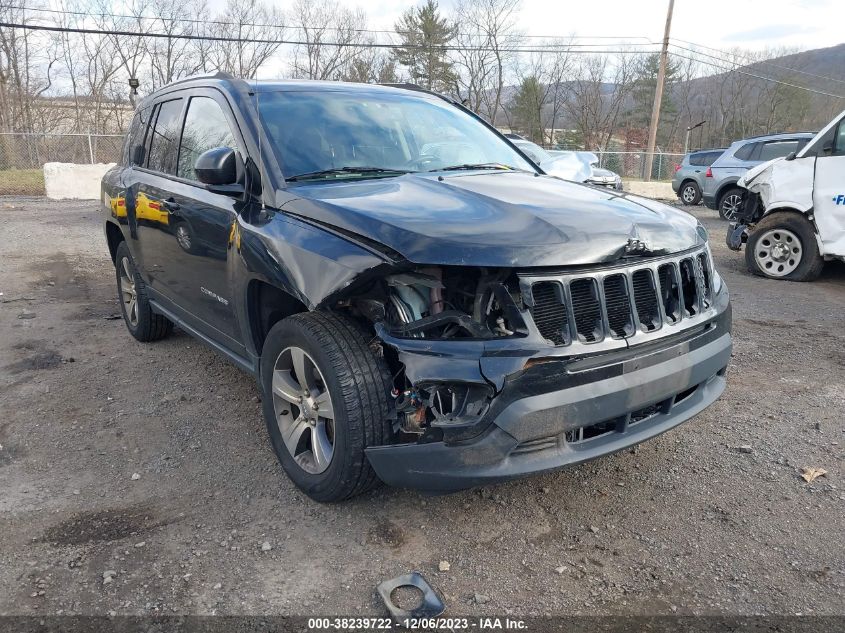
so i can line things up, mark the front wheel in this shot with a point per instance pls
(730, 204)
(326, 399)
(690, 194)
(783, 246)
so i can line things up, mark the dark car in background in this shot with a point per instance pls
(688, 181)
(419, 303)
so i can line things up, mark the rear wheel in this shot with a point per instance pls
(326, 399)
(730, 204)
(783, 246)
(142, 323)
(690, 193)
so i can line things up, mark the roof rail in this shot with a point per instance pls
(220, 74)
(750, 138)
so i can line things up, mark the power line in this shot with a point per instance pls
(250, 40)
(738, 70)
(93, 14)
(752, 61)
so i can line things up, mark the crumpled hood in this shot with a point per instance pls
(755, 171)
(501, 219)
(567, 165)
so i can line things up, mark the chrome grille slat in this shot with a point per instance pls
(603, 308)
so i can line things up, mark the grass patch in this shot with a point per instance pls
(22, 182)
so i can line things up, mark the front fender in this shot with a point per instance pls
(309, 263)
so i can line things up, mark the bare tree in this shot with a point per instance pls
(597, 96)
(333, 39)
(487, 36)
(246, 20)
(27, 69)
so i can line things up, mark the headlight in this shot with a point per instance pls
(717, 279)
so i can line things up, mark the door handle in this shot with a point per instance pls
(171, 206)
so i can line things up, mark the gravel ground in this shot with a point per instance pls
(138, 479)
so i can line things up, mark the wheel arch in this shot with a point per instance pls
(267, 305)
(114, 236)
(724, 187)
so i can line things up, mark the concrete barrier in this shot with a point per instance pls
(656, 190)
(63, 181)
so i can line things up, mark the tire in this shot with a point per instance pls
(729, 204)
(354, 381)
(142, 323)
(776, 234)
(690, 193)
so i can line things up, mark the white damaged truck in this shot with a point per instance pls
(793, 212)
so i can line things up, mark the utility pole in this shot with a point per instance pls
(658, 94)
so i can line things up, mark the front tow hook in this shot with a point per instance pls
(736, 235)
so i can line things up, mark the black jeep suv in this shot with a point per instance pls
(420, 303)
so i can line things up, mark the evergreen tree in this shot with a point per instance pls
(425, 33)
(528, 107)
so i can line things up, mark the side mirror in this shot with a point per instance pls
(791, 156)
(138, 155)
(219, 167)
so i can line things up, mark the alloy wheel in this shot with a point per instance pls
(304, 412)
(183, 237)
(731, 205)
(688, 194)
(128, 293)
(778, 252)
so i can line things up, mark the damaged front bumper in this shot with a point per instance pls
(553, 411)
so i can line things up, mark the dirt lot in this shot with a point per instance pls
(151, 463)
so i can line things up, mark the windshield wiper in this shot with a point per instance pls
(471, 166)
(346, 170)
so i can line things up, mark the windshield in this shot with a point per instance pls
(315, 134)
(533, 151)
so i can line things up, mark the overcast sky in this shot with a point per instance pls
(751, 24)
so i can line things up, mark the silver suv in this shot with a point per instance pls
(688, 181)
(720, 189)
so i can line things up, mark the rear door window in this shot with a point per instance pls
(164, 142)
(205, 128)
(777, 149)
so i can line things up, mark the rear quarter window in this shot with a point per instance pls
(746, 151)
(136, 133)
(164, 144)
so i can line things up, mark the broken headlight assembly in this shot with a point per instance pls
(445, 303)
(450, 305)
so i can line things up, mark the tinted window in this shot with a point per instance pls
(712, 157)
(777, 149)
(745, 152)
(704, 159)
(321, 130)
(135, 136)
(164, 144)
(205, 128)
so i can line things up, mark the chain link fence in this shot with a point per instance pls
(23, 154)
(632, 165)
